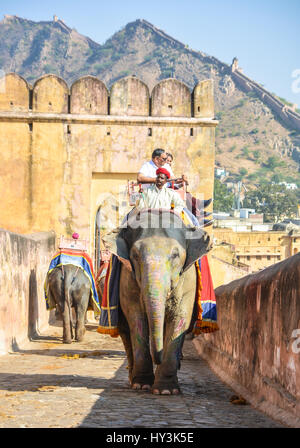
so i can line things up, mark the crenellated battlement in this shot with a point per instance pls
(89, 95)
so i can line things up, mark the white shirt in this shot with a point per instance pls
(155, 198)
(148, 169)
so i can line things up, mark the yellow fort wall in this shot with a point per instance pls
(57, 141)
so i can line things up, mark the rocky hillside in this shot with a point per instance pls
(251, 141)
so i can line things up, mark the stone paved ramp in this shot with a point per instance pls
(47, 384)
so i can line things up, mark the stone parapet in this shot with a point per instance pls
(257, 349)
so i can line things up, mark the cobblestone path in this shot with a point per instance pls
(47, 384)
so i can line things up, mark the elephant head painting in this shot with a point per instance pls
(157, 293)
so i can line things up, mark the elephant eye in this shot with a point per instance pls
(135, 256)
(174, 254)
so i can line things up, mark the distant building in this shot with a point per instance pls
(259, 249)
(245, 212)
(289, 186)
(221, 172)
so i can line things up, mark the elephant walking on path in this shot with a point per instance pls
(157, 293)
(69, 287)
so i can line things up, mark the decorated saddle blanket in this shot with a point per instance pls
(205, 298)
(82, 261)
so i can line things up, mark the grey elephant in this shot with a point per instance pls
(157, 293)
(69, 287)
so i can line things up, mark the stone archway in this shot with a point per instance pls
(109, 205)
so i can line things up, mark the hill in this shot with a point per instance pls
(252, 140)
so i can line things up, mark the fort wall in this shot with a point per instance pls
(55, 141)
(24, 261)
(288, 116)
(256, 350)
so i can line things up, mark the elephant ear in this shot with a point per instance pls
(198, 244)
(117, 246)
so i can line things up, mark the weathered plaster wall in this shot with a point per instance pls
(256, 349)
(224, 271)
(24, 261)
(53, 146)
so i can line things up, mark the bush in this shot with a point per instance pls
(243, 171)
(245, 151)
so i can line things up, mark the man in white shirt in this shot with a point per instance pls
(159, 196)
(147, 173)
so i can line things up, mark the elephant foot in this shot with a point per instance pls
(79, 338)
(166, 385)
(156, 391)
(142, 382)
(137, 386)
(67, 341)
(79, 334)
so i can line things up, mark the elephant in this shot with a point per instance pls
(69, 287)
(157, 293)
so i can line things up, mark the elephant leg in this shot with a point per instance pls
(125, 336)
(142, 372)
(67, 326)
(80, 324)
(81, 308)
(166, 381)
(137, 342)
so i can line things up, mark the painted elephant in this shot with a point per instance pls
(69, 287)
(157, 293)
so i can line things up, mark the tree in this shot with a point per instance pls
(275, 201)
(223, 199)
(273, 162)
(256, 155)
(243, 171)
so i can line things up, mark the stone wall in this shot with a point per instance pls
(61, 147)
(24, 261)
(288, 116)
(257, 349)
(223, 272)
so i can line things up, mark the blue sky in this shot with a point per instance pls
(263, 34)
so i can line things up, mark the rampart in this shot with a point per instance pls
(257, 349)
(88, 95)
(288, 116)
(63, 147)
(24, 261)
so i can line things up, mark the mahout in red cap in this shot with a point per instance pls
(162, 170)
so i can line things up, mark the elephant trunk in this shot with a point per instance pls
(155, 291)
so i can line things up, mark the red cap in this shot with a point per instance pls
(163, 171)
(75, 236)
